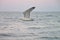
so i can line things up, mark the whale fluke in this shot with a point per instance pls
(27, 14)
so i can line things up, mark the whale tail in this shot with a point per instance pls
(27, 13)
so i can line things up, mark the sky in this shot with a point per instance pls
(22, 5)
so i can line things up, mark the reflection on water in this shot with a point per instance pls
(46, 26)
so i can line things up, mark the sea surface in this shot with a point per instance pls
(45, 26)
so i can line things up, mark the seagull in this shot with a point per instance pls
(27, 14)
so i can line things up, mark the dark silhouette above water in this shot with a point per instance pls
(27, 14)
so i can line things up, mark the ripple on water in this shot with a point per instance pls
(33, 27)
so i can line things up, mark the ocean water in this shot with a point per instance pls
(46, 26)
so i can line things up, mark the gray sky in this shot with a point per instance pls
(21, 5)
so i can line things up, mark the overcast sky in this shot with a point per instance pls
(21, 5)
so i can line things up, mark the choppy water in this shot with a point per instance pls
(46, 26)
